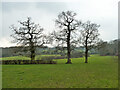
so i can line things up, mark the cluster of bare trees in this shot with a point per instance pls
(70, 32)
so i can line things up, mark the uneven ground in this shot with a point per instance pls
(100, 72)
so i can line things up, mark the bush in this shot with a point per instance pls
(0, 61)
(28, 62)
(76, 54)
(40, 60)
(48, 58)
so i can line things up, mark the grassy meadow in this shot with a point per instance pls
(99, 72)
(25, 58)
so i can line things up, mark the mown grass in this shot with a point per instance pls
(100, 72)
(38, 57)
(15, 58)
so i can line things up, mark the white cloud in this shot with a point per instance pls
(4, 42)
(103, 12)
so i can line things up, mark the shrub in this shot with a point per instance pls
(0, 61)
(28, 62)
(41, 60)
(76, 54)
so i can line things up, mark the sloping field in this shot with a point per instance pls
(100, 72)
(24, 58)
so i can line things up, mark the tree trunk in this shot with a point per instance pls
(86, 51)
(68, 49)
(32, 50)
(68, 55)
(32, 54)
(86, 56)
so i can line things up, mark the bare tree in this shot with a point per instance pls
(28, 35)
(67, 25)
(89, 37)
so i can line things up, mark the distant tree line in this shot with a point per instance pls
(108, 48)
(104, 49)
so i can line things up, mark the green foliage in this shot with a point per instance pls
(108, 48)
(77, 54)
(43, 59)
(100, 72)
(20, 62)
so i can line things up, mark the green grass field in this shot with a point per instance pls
(100, 72)
(24, 58)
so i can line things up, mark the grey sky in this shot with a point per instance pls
(103, 12)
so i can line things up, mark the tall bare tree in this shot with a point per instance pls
(89, 37)
(28, 35)
(67, 25)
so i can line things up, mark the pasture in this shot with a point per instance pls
(99, 72)
(25, 58)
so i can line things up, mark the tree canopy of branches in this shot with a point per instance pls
(89, 36)
(67, 25)
(28, 35)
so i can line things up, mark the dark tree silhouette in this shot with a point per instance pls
(29, 35)
(89, 37)
(67, 25)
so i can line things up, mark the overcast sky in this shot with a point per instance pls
(103, 12)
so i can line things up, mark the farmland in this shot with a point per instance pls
(100, 72)
(24, 57)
